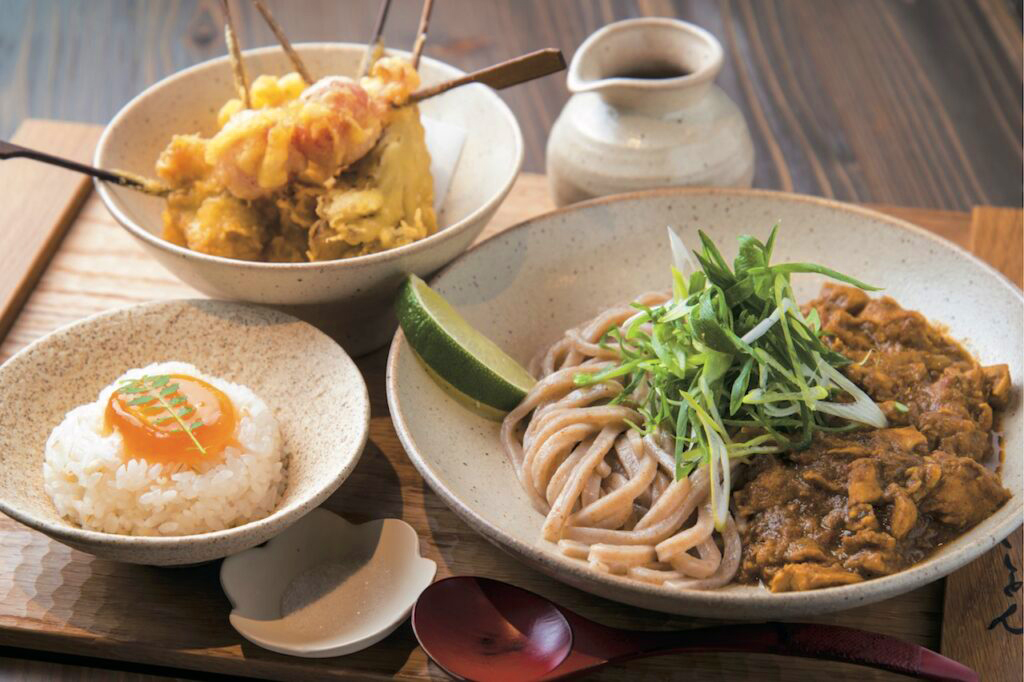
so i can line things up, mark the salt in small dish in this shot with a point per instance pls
(326, 587)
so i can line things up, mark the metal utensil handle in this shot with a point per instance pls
(10, 151)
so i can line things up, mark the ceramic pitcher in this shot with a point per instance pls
(645, 112)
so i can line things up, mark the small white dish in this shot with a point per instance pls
(326, 587)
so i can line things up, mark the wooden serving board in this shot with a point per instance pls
(56, 599)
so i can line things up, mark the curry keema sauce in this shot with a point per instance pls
(152, 432)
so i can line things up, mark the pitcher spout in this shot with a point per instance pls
(652, 64)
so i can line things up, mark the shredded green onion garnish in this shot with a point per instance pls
(731, 366)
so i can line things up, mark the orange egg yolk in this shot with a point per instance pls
(156, 423)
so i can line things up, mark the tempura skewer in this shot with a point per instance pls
(375, 44)
(286, 45)
(498, 76)
(421, 33)
(237, 68)
(123, 178)
(502, 75)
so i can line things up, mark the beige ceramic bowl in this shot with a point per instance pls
(313, 388)
(360, 290)
(526, 286)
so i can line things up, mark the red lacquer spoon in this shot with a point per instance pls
(490, 631)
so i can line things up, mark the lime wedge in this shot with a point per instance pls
(466, 362)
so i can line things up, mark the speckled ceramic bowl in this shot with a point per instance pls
(360, 290)
(313, 388)
(526, 286)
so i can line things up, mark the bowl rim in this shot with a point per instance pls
(762, 603)
(281, 516)
(104, 190)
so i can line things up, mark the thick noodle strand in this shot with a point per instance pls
(609, 496)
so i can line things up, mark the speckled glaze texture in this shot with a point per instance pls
(374, 568)
(526, 286)
(313, 388)
(619, 134)
(359, 290)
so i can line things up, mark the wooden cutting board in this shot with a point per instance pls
(53, 598)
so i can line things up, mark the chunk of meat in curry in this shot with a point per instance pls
(868, 503)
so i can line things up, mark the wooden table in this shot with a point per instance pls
(912, 103)
(54, 599)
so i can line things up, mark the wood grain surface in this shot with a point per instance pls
(14, 669)
(26, 246)
(1001, 243)
(984, 620)
(55, 599)
(984, 605)
(909, 102)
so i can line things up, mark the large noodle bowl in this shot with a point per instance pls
(721, 431)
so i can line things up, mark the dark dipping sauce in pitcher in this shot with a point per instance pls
(868, 503)
(654, 71)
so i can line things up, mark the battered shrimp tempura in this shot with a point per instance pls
(314, 135)
(257, 189)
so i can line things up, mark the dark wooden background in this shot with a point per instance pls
(913, 102)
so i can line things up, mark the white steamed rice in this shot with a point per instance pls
(91, 484)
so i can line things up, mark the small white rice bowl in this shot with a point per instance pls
(93, 486)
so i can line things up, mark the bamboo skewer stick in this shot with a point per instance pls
(421, 32)
(375, 42)
(499, 76)
(123, 178)
(237, 68)
(502, 75)
(286, 44)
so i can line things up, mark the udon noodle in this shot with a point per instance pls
(609, 495)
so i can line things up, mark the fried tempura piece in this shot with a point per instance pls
(183, 161)
(253, 155)
(265, 92)
(307, 173)
(392, 79)
(225, 226)
(338, 123)
(332, 124)
(384, 202)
